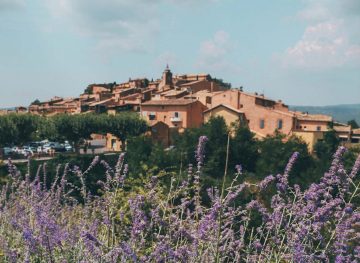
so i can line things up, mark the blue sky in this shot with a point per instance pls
(305, 52)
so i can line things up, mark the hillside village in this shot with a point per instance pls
(176, 102)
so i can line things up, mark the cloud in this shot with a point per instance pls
(331, 38)
(6, 5)
(214, 54)
(115, 24)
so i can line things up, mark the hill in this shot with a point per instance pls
(342, 113)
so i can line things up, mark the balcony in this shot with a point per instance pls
(175, 119)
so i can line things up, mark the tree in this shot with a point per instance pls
(27, 127)
(353, 124)
(244, 148)
(125, 125)
(8, 131)
(326, 148)
(217, 132)
(76, 128)
(35, 102)
(275, 151)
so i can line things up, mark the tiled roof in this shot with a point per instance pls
(174, 92)
(100, 102)
(190, 83)
(313, 117)
(356, 131)
(342, 128)
(169, 102)
(226, 106)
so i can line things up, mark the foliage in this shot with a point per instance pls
(23, 128)
(140, 220)
(327, 146)
(18, 128)
(124, 126)
(353, 124)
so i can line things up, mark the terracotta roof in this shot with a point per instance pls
(226, 106)
(174, 92)
(288, 113)
(99, 102)
(313, 117)
(190, 83)
(356, 131)
(342, 128)
(169, 102)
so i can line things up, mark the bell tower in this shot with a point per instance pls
(167, 77)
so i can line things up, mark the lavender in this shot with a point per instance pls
(152, 223)
(200, 151)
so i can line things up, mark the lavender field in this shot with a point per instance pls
(43, 221)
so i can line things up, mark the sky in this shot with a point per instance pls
(305, 52)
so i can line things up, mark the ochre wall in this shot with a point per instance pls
(228, 115)
(311, 138)
(191, 115)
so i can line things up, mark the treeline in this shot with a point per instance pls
(18, 129)
(258, 157)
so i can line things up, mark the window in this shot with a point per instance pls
(262, 123)
(152, 116)
(280, 124)
(176, 114)
(318, 128)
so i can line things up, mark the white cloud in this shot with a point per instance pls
(214, 54)
(114, 24)
(331, 38)
(130, 25)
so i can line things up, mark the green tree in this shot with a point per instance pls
(353, 124)
(243, 148)
(326, 148)
(36, 102)
(8, 131)
(124, 126)
(76, 128)
(275, 151)
(27, 127)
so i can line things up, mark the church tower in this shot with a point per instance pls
(167, 78)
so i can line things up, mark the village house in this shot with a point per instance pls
(56, 105)
(176, 102)
(230, 114)
(176, 113)
(264, 116)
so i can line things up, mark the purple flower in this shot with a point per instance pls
(267, 180)
(200, 151)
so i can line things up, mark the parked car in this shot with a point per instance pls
(26, 151)
(7, 150)
(68, 147)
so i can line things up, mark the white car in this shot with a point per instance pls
(15, 149)
(7, 150)
(26, 151)
(68, 147)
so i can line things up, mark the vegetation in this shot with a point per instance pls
(164, 217)
(23, 128)
(353, 124)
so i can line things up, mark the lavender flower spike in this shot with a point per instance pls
(200, 151)
(291, 163)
